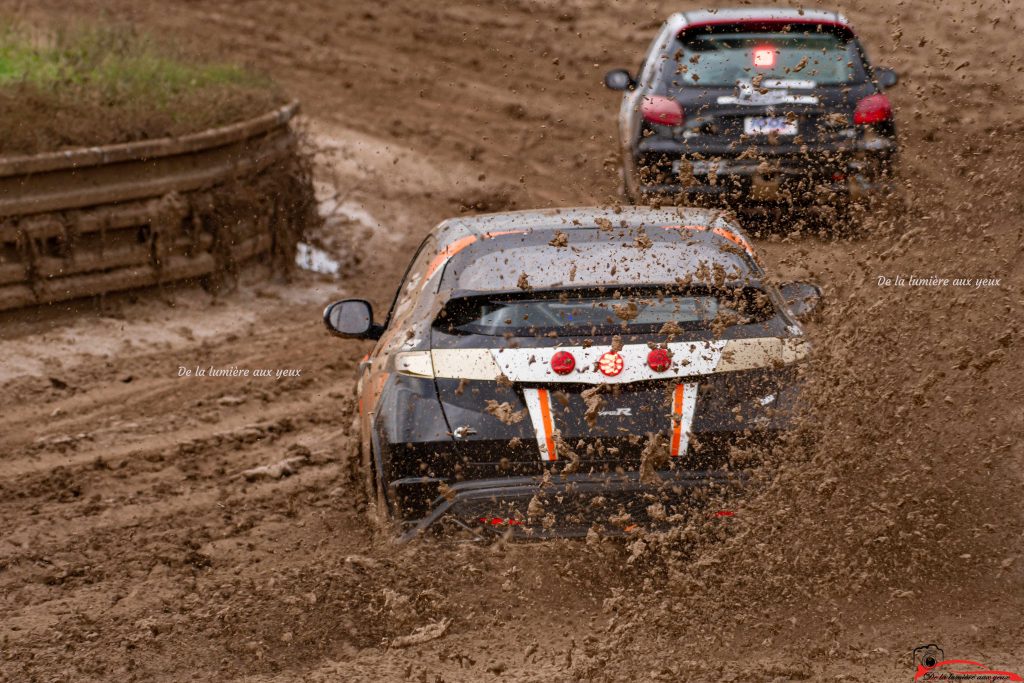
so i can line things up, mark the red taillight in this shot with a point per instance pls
(764, 57)
(663, 111)
(873, 109)
(563, 362)
(659, 360)
(610, 363)
(500, 521)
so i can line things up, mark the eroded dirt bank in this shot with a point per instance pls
(134, 547)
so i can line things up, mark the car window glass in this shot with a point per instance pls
(413, 280)
(587, 312)
(647, 73)
(729, 58)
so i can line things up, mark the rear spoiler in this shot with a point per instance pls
(801, 25)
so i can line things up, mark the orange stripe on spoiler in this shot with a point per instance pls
(721, 232)
(733, 237)
(546, 423)
(499, 233)
(446, 253)
(460, 244)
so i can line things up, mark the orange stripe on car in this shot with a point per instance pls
(546, 423)
(460, 244)
(499, 233)
(733, 237)
(677, 418)
(721, 232)
(446, 253)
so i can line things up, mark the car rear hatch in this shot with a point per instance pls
(759, 99)
(522, 390)
(592, 384)
(539, 459)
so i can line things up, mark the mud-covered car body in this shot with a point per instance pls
(754, 106)
(569, 356)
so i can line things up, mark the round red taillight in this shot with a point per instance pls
(563, 363)
(610, 363)
(660, 360)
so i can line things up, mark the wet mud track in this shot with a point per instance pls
(138, 544)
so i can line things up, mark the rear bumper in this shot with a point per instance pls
(794, 179)
(785, 191)
(569, 506)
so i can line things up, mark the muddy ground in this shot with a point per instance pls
(133, 547)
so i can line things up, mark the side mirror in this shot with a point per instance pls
(802, 298)
(886, 77)
(352, 319)
(619, 79)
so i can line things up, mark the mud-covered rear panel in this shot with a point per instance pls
(525, 428)
(523, 389)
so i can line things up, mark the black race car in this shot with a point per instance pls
(755, 107)
(548, 371)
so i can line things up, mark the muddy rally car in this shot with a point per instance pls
(549, 372)
(755, 108)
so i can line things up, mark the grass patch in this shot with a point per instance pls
(111, 84)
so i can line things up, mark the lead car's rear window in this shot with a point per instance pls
(726, 58)
(589, 312)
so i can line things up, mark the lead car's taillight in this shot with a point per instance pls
(662, 111)
(873, 109)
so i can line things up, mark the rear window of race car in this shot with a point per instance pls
(569, 313)
(726, 57)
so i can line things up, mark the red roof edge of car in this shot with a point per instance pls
(768, 20)
(761, 15)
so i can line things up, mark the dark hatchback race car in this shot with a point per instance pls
(550, 372)
(756, 107)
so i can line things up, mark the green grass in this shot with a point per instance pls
(112, 75)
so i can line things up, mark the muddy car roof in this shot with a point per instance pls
(486, 252)
(757, 14)
(567, 219)
(587, 256)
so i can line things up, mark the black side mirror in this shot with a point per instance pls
(886, 77)
(352, 319)
(802, 298)
(619, 79)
